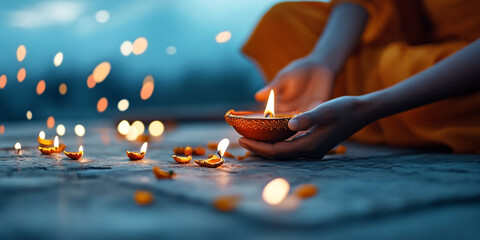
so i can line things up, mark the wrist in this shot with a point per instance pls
(325, 63)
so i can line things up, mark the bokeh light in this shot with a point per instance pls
(223, 37)
(2, 129)
(91, 82)
(140, 46)
(276, 191)
(62, 88)
(50, 122)
(101, 71)
(123, 105)
(58, 59)
(21, 53)
(41, 87)
(3, 81)
(147, 88)
(79, 130)
(126, 48)
(123, 127)
(22, 73)
(171, 50)
(61, 129)
(139, 126)
(132, 134)
(156, 128)
(102, 16)
(102, 104)
(29, 115)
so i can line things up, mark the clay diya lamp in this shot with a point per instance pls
(42, 141)
(57, 148)
(216, 160)
(266, 127)
(182, 160)
(137, 156)
(75, 155)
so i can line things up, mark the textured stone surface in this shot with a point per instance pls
(369, 192)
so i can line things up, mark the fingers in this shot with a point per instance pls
(262, 94)
(305, 121)
(279, 150)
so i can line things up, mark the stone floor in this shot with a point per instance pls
(370, 192)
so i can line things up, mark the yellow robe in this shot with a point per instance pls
(401, 38)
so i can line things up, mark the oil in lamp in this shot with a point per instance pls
(42, 141)
(267, 126)
(75, 155)
(57, 148)
(138, 156)
(18, 147)
(217, 160)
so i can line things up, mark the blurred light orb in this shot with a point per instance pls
(61, 129)
(139, 45)
(156, 128)
(147, 88)
(50, 122)
(101, 71)
(171, 50)
(123, 105)
(62, 89)
(2, 129)
(223, 37)
(29, 115)
(126, 48)
(58, 59)
(22, 73)
(123, 127)
(79, 130)
(41, 87)
(132, 134)
(21, 52)
(102, 104)
(275, 191)
(3, 81)
(91, 82)
(139, 126)
(102, 16)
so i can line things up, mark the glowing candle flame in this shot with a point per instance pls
(276, 191)
(270, 109)
(222, 146)
(144, 148)
(41, 135)
(80, 149)
(18, 146)
(55, 142)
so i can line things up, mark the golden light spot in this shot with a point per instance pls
(50, 122)
(3, 81)
(21, 52)
(102, 16)
(171, 50)
(62, 88)
(101, 71)
(126, 48)
(123, 127)
(132, 134)
(29, 115)
(61, 129)
(139, 126)
(123, 105)
(156, 128)
(79, 130)
(2, 129)
(102, 104)
(91, 82)
(147, 88)
(139, 46)
(276, 191)
(58, 59)
(223, 37)
(22, 73)
(41, 87)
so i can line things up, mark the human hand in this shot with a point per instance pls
(300, 86)
(328, 124)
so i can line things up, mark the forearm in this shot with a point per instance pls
(456, 75)
(340, 36)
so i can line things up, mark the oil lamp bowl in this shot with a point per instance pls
(254, 126)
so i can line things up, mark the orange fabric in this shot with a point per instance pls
(385, 57)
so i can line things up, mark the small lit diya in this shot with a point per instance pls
(266, 126)
(42, 141)
(57, 148)
(137, 156)
(18, 148)
(216, 160)
(75, 155)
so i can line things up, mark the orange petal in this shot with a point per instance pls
(143, 197)
(199, 151)
(160, 174)
(306, 191)
(188, 151)
(227, 203)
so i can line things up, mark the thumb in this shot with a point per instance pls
(305, 120)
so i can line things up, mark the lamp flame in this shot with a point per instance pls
(18, 146)
(270, 108)
(41, 135)
(55, 142)
(80, 149)
(222, 146)
(144, 148)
